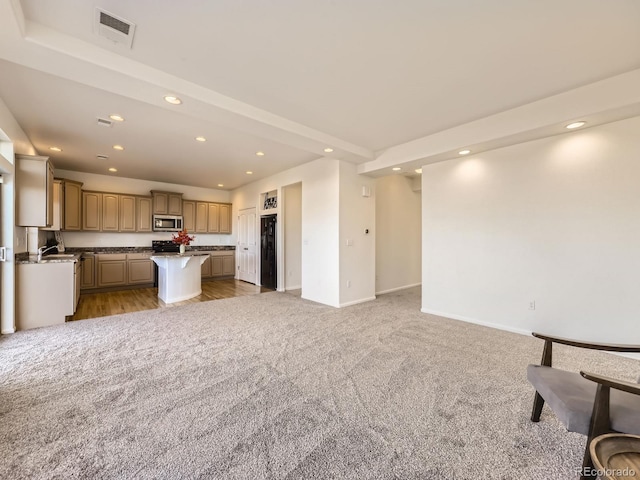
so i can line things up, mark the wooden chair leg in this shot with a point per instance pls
(538, 403)
(600, 423)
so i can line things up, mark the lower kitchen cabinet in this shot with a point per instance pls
(139, 268)
(112, 270)
(221, 263)
(88, 268)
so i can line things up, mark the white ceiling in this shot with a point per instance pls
(289, 77)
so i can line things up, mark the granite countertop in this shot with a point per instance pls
(25, 258)
(180, 255)
(191, 248)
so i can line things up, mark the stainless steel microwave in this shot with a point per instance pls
(167, 223)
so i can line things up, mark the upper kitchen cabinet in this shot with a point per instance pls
(67, 205)
(166, 203)
(58, 206)
(91, 211)
(225, 218)
(189, 215)
(34, 191)
(144, 206)
(72, 205)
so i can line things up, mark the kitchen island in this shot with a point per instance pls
(179, 276)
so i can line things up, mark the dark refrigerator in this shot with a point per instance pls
(268, 271)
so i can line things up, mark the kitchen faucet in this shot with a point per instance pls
(44, 249)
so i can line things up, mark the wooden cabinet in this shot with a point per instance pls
(202, 217)
(189, 215)
(72, 205)
(144, 206)
(213, 223)
(205, 268)
(206, 217)
(110, 212)
(34, 191)
(112, 269)
(58, 207)
(88, 274)
(127, 214)
(225, 218)
(166, 203)
(91, 211)
(221, 263)
(139, 268)
(229, 264)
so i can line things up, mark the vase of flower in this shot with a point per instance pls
(183, 239)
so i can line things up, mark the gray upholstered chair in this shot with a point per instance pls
(584, 402)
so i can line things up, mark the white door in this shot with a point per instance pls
(247, 245)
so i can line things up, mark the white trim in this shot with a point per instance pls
(297, 287)
(399, 288)
(5, 332)
(497, 326)
(355, 302)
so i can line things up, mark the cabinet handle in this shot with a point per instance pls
(246, 248)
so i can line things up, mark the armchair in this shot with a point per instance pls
(585, 403)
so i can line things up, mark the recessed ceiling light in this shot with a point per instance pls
(395, 169)
(418, 170)
(249, 172)
(220, 185)
(172, 99)
(328, 150)
(113, 169)
(201, 139)
(118, 147)
(573, 125)
(464, 152)
(55, 149)
(117, 118)
(260, 154)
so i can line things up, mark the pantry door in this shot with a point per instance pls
(247, 241)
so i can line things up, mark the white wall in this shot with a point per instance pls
(293, 236)
(326, 183)
(555, 221)
(398, 233)
(320, 224)
(108, 183)
(357, 214)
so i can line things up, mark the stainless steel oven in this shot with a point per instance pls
(167, 223)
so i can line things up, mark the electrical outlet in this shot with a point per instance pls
(532, 305)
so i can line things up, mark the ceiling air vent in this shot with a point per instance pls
(103, 122)
(114, 28)
(102, 157)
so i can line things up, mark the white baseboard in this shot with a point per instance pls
(497, 326)
(399, 288)
(298, 287)
(355, 302)
(5, 332)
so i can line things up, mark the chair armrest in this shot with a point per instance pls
(612, 383)
(609, 347)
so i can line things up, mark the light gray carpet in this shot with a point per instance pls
(272, 386)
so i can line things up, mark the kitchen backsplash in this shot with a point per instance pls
(90, 239)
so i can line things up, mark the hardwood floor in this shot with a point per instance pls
(94, 305)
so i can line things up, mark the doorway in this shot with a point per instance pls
(268, 257)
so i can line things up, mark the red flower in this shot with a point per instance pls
(183, 238)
